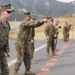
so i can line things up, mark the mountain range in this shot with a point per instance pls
(40, 8)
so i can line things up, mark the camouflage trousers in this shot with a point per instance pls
(3, 64)
(65, 36)
(68, 35)
(32, 49)
(50, 44)
(23, 54)
(55, 41)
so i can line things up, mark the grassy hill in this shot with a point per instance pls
(51, 8)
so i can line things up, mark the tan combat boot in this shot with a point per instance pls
(15, 72)
(33, 62)
(48, 54)
(56, 50)
(54, 54)
(28, 72)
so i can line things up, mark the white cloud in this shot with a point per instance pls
(66, 0)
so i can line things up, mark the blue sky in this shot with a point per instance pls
(66, 0)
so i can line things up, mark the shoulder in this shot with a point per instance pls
(23, 22)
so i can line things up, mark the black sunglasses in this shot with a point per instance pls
(9, 12)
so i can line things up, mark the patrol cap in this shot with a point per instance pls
(7, 7)
(66, 23)
(51, 19)
(27, 14)
(47, 17)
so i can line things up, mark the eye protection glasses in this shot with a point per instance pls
(9, 12)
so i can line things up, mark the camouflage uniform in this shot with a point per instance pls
(50, 31)
(56, 32)
(66, 30)
(69, 28)
(23, 43)
(32, 34)
(4, 38)
(4, 47)
(32, 46)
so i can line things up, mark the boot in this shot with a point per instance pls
(54, 54)
(33, 62)
(28, 72)
(15, 72)
(48, 54)
(56, 50)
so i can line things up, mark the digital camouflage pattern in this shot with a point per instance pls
(4, 36)
(24, 30)
(3, 63)
(4, 47)
(23, 43)
(50, 31)
(66, 30)
(32, 34)
(56, 32)
(69, 28)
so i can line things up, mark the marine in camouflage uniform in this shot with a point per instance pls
(50, 32)
(6, 12)
(66, 30)
(23, 44)
(69, 28)
(32, 46)
(56, 32)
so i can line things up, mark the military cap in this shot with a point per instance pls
(66, 22)
(51, 19)
(27, 14)
(7, 7)
(47, 17)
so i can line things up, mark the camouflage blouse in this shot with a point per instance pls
(4, 36)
